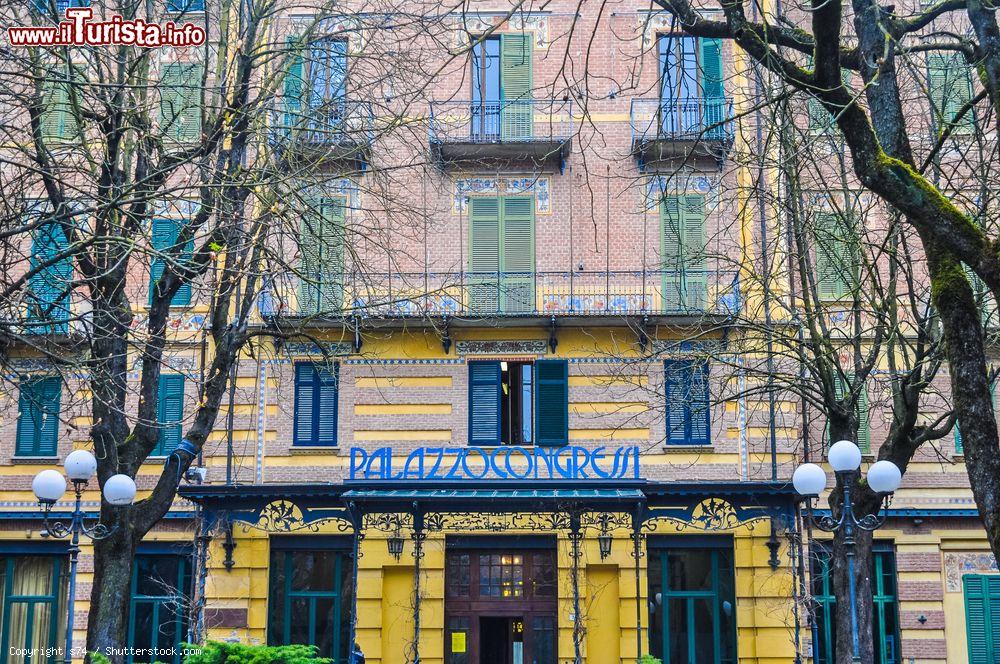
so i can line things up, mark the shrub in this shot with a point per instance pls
(215, 652)
(649, 659)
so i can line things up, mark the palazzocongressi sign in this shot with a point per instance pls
(497, 463)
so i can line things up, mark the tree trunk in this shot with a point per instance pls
(110, 595)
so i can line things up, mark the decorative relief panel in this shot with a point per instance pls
(470, 25)
(502, 347)
(504, 186)
(958, 564)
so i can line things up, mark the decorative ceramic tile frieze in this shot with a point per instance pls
(538, 24)
(467, 26)
(311, 348)
(653, 22)
(958, 564)
(485, 185)
(682, 182)
(502, 347)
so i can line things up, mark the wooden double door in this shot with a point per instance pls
(500, 606)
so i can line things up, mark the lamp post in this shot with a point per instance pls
(49, 486)
(810, 480)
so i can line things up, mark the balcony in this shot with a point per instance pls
(686, 128)
(337, 129)
(538, 130)
(690, 294)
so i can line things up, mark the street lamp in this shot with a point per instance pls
(49, 486)
(810, 480)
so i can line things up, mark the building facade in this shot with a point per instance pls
(510, 427)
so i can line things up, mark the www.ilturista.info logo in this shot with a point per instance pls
(78, 30)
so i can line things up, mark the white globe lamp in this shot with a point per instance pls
(809, 480)
(844, 456)
(884, 477)
(80, 465)
(119, 490)
(48, 486)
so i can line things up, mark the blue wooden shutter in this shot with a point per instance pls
(687, 408)
(552, 402)
(50, 285)
(164, 238)
(38, 417)
(169, 413)
(699, 412)
(326, 405)
(305, 380)
(484, 403)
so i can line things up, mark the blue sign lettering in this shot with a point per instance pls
(501, 463)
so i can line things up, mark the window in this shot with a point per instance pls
(32, 619)
(502, 254)
(501, 88)
(682, 253)
(180, 101)
(158, 608)
(310, 594)
(45, 6)
(519, 403)
(688, 417)
(315, 86)
(48, 301)
(169, 413)
(691, 92)
(59, 119)
(958, 434)
(950, 87)
(982, 617)
(692, 596)
(38, 417)
(820, 120)
(315, 404)
(861, 409)
(165, 240)
(837, 255)
(885, 616)
(322, 248)
(184, 6)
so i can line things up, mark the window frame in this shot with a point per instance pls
(183, 585)
(54, 599)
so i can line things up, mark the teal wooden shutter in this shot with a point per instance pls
(294, 88)
(518, 254)
(164, 235)
(950, 87)
(982, 617)
(169, 413)
(49, 287)
(713, 97)
(326, 405)
(316, 403)
(552, 402)
(38, 417)
(322, 250)
(180, 101)
(682, 253)
(484, 255)
(484, 403)
(305, 404)
(515, 86)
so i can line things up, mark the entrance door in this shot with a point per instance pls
(500, 606)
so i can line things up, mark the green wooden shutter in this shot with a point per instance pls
(552, 402)
(164, 235)
(484, 255)
(712, 93)
(484, 403)
(180, 101)
(50, 285)
(682, 253)
(982, 617)
(169, 413)
(38, 417)
(294, 89)
(836, 262)
(864, 429)
(950, 86)
(58, 120)
(322, 246)
(518, 254)
(515, 86)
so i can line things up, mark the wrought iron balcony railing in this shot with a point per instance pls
(652, 292)
(494, 122)
(682, 120)
(338, 123)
